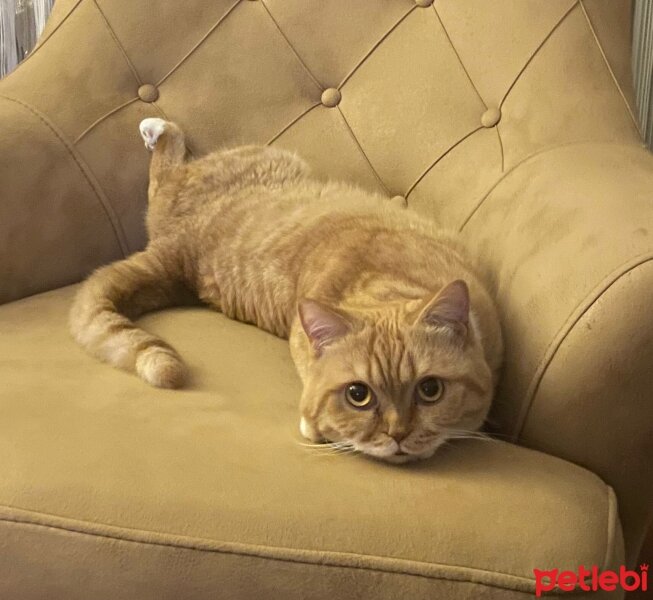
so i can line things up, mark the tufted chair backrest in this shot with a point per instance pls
(450, 107)
(432, 102)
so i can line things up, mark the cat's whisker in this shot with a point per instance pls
(343, 447)
(323, 454)
(331, 452)
(319, 448)
(462, 434)
(346, 452)
(328, 448)
(316, 445)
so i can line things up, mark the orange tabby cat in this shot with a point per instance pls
(395, 338)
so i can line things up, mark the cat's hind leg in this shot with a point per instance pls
(166, 141)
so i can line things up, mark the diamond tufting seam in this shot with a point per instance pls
(112, 112)
(438, 159)
(530, 157)
(85, 172)
(503, 166)
(507, 173)
(321, 87)
(460, 61)
(102, 118)
(316, 81)
(130, 64)
(199, 43)
(607, 64)
(289, 125)
(537, 50)
(353, 137)
(374, 47)
(41, 42)
(160, 110)
(132, 68)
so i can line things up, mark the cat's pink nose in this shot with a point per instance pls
(397, 436)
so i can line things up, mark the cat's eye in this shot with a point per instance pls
(429, 390)
(359, 395)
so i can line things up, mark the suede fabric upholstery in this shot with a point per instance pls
(208, 487)
(510, 121)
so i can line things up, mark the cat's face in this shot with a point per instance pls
(397, 383)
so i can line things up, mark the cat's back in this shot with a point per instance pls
(265, 229)
(237, 170)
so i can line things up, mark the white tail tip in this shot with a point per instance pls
(160, 368)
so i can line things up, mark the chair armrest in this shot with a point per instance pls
(568, 237)
(53, 224)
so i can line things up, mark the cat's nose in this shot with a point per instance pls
(397, 425)
(398, 436)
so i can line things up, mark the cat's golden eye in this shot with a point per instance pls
(359, 395)
(429, 390)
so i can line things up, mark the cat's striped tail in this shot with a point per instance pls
(99, 318)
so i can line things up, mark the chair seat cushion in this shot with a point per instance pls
(112, 489)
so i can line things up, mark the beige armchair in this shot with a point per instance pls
(509, 121)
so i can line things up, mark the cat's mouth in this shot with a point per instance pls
(398, 456)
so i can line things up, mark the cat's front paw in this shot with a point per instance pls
(151, 129)
(309, 432)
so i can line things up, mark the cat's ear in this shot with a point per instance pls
(321, 323)
(449, 307)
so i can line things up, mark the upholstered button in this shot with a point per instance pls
(331, 97)
(399, 201)
(148, 92)
(424, 2)
(491, 117)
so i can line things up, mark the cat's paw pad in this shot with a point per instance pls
(308, 431)
(151, 129)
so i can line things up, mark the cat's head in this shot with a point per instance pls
(397, 382)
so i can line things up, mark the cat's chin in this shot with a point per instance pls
(396, 456)
(402, 458)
